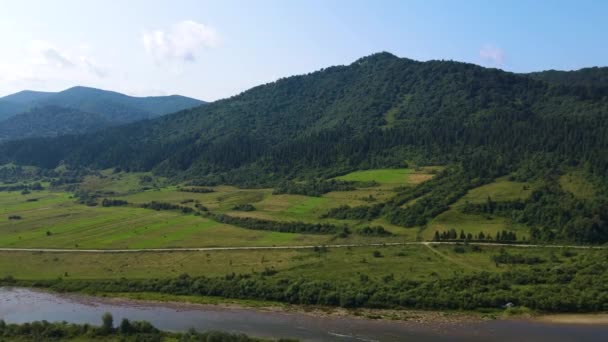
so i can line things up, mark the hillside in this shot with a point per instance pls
(376, 112)
(50, 121)
(115, 107)
(379, 112)
(588, 77)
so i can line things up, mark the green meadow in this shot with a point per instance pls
(416, 262)
(54, 218)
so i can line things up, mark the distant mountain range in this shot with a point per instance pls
(79, 110)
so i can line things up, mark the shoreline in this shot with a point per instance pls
(406, 316)
(411, 316)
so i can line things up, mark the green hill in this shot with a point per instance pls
(50, 121)
(376, 112)
(98, 108)
(113, 106)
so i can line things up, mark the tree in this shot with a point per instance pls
(436, 237)
(107, 323)
(126, 328)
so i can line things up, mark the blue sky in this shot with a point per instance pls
(215, 49)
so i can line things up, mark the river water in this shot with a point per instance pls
(18, 305)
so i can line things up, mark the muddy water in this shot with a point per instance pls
(18, 305)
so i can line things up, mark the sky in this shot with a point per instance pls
(216, 49)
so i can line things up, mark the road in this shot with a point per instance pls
(245, 248)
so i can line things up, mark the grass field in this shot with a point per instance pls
(53, 219)
(575, 183)
(391, 177)
(409, 262)
(500, 190)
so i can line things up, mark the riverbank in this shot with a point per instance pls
(193, 302)
(414, 316)
(169, 313)
(584, 319)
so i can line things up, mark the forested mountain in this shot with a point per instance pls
(27, 97)
(50, 121)
(8, 109)
(378, 111)
(586, 77)
(114, 107)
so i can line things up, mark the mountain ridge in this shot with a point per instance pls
(377, 111)
(108, 108)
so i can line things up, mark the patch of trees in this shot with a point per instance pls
(198, 190)
(126, 330)
(87, 197)
(316, 187)
(374, 231)
(244, 207)
(452, 235)
(14, 217)
(158, 206)
(278, 226)
(107, 202)
(346, 212)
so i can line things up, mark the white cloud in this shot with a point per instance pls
(183, 42)
(93, 67)
(46, 55)
(43, 53)
(492, 55)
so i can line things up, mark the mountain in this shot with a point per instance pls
(376, 112)
(8, 109)
(587, 77)
(114, 107)
(381, 111)
(27, 97)
(50, 121)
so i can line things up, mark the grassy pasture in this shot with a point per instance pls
(500, 190)
(415, 262)
(393, 177)
(55, 220)
(576, 183)
(71, 225)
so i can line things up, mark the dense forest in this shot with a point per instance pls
(379, 111)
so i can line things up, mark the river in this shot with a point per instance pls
(19, 305)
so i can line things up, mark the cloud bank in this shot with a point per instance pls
(492, 55)
(183, 42)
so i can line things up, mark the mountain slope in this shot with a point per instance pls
(50, 121)
(378, 111)
(596, 77)
(26, 97)
(8, 109)
(113, 106)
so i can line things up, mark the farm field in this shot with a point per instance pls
(54, 219)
